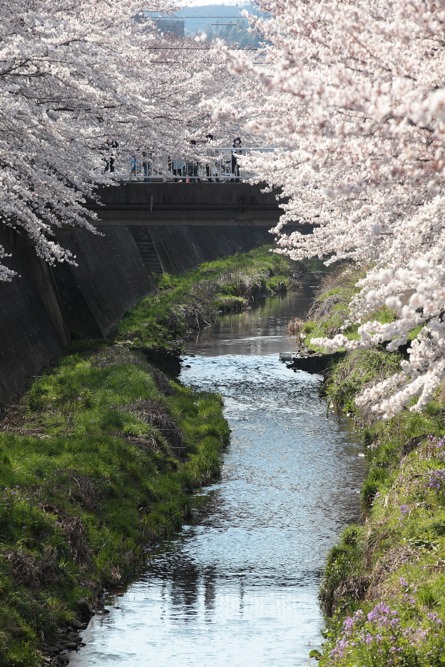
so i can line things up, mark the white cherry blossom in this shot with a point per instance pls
(72, 75)
(354, 102)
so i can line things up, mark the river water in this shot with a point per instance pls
(239, 586)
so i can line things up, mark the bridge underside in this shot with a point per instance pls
(188, 204)
(132, 215)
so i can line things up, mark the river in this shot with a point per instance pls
(239, 586)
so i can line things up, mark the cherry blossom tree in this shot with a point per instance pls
(354, 102)
(72, 76)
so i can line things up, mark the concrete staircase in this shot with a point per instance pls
(147, 249)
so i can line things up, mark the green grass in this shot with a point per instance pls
(353, 373)
(400, 562)
(383, 590)
(188, 303)
(98, 461)
(101, 456)
(330, 309)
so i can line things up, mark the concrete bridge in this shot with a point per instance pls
(191, 204)
(178, 225)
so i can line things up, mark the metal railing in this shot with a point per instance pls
(218, 165)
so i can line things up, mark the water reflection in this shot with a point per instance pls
(261, 330)
(238, 587)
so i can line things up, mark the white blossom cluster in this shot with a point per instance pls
(72, 76)
(354, 102)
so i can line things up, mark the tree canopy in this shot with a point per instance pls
(354, 100)
(75, 79)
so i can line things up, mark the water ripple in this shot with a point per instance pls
(238, 587)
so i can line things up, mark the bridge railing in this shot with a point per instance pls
(216, 164)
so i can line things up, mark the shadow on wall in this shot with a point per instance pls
(44, 308)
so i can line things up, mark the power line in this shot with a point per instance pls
(197, 16)
(186, 18)
(197, 48)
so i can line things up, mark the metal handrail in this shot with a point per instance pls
(213, 164)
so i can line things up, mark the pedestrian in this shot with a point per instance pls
(211, 170)
(146, 165)
(109, 160)
(193, 166)
(178, 168)
(236, 150)
(134, 165)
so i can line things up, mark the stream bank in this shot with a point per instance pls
(100, 458)
(239, 583)
(383, 589)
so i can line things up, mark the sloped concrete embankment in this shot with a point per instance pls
(46, 307)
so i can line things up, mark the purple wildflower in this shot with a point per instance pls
(339, 650)
(383, 616)
(348, 625)
(437, 479)
(434, 618)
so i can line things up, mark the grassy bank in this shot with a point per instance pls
(186, 304)
(98, 462)
(384, 585)
(100, 458)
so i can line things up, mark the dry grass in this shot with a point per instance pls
(151, 412)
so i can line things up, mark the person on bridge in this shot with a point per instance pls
(147, 158)
(236, 146)
(178, 169)
(211, 170)
(111, 145)
(193, 166)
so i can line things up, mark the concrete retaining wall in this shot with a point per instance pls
(45, 308)
(32, 329)
(180, 249)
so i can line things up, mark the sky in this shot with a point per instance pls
(200, 3)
